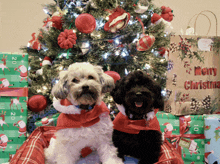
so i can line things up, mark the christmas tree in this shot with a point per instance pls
(121, 36)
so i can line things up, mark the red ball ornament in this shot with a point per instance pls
(85, 23)
(67, 39)
(145, 42)
(37, 103)
(114, 75)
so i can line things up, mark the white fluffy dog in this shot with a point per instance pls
(84, 120)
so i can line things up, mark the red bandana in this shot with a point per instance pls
(124, 124)
(85, 119)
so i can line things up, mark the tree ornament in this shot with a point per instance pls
(167, 13)
(47, 24)
(57, 20)
(47, 61)
(156, 19)
(164, 52)
(67, 39)
(85, 47)
(141, 6)
(114, 75)
(37, 103)
(146, 41)
(118, 19)
(85, 23)
(34, 43)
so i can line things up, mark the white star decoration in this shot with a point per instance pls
(21, 116)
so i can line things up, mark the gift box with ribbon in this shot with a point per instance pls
(212, 134)
(48, 121)
(13, 103)
(186, 133)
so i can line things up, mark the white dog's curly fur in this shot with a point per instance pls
(82, 84)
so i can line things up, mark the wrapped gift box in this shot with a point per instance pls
(13, 103)
(212, 134)
(186, 133)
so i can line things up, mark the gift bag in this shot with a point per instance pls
(193, 78)
(13, 103)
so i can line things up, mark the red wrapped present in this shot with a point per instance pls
(32, 150)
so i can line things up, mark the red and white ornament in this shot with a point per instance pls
(145, 42)
(47, 61)
(34, 43)
(67, 39)
(85, 23)
(118, 19)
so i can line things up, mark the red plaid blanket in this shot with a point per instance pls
(32, 150)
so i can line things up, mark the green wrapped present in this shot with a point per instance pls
(186, 133)
(13, 103)
(48, 121)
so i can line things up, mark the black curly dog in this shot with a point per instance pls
(139, 94)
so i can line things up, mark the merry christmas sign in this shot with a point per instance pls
(13, 103)
(193, 77)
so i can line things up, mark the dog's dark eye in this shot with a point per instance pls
(75, 80)
(90, 77)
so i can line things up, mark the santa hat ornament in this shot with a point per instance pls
(164, 52)
(47, 61)
(146, 41)
(156, 19)
(118, 19)
(207, 154)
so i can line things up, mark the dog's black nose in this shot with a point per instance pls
(85, 87)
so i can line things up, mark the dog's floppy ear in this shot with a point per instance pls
(100, 72)
(108, 84)
(118, 93)
(60, 89)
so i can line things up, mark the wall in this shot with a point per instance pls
(20, 18)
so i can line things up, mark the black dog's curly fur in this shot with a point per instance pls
(138, 88)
